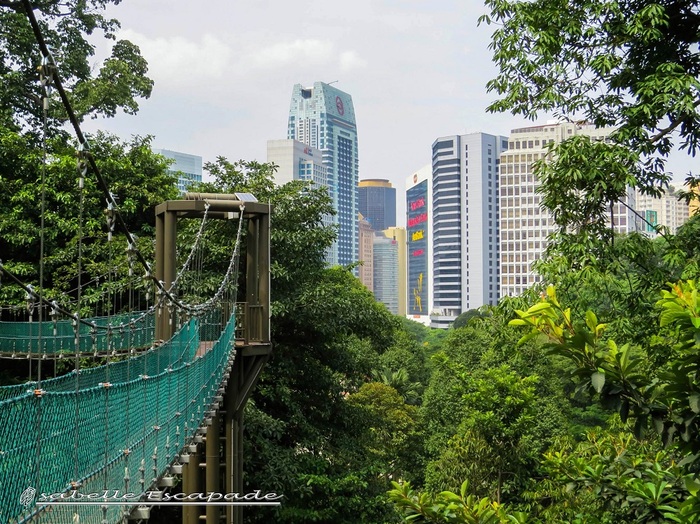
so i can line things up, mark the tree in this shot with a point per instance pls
(656, 390)
(66, 26)
(620, 280)
(627, 64)
(392, 436)
(35, 146)
(632, 66)
(466, 317)
(494, 440)
(136, 176)
(312, 422)
(611, 477)
(491, 408)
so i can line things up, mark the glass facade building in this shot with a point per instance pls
(188, 168)
(418, 250)
(378, 203)
(324, 118)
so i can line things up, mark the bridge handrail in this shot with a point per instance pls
(145, 418)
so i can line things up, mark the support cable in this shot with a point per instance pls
(89, 157)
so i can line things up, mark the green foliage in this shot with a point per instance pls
(404, 367)
(464, 318)
(582, 181)
(450, 507)
(136, 177)
(663, 398)
(626, 64)
(632, 66)
(67, 26)
(620, 280)
(392, 437)
(611, 477)
(485, 345)
(497, 417)
(315, 430)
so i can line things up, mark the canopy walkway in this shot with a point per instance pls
(137, 423)
(50, 340)
(174, 378)
(113, 427)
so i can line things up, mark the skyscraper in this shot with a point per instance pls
(378, 203)
(386, 271)
(465, 224)
(323, 117)
(419, 190)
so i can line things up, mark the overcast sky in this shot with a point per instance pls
(224, 71)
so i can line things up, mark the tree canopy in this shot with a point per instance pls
(631, 66)
(67, 27)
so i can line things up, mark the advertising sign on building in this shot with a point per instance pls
(417, 232)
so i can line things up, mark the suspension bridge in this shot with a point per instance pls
(154, 399)
(169, 412)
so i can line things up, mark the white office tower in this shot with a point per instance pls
(419, 192)
(386, 271)
(524, 225)
(298, 161)
(666, 211)
(465, 224)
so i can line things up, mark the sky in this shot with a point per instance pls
(224, 72)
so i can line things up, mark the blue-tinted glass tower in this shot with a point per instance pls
(188, 168)
(378, 203)
(323, 117)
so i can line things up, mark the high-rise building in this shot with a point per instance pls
(378, 203)
(419, 191)
(399, 234)
(297, 161)
(465, 224)
(323, 117)
(188, 168)
(366, 242)
(524, 225)
(386, 271)
(667, 211)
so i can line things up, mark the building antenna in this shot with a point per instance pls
(333, 82)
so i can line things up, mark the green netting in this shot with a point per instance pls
(128, 331)
(101, 436)
(151, 362)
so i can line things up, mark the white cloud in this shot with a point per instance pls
(350, 60)
(177, 62)
(306, 52)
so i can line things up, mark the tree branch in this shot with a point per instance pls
(663, 132)
(12, 4)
